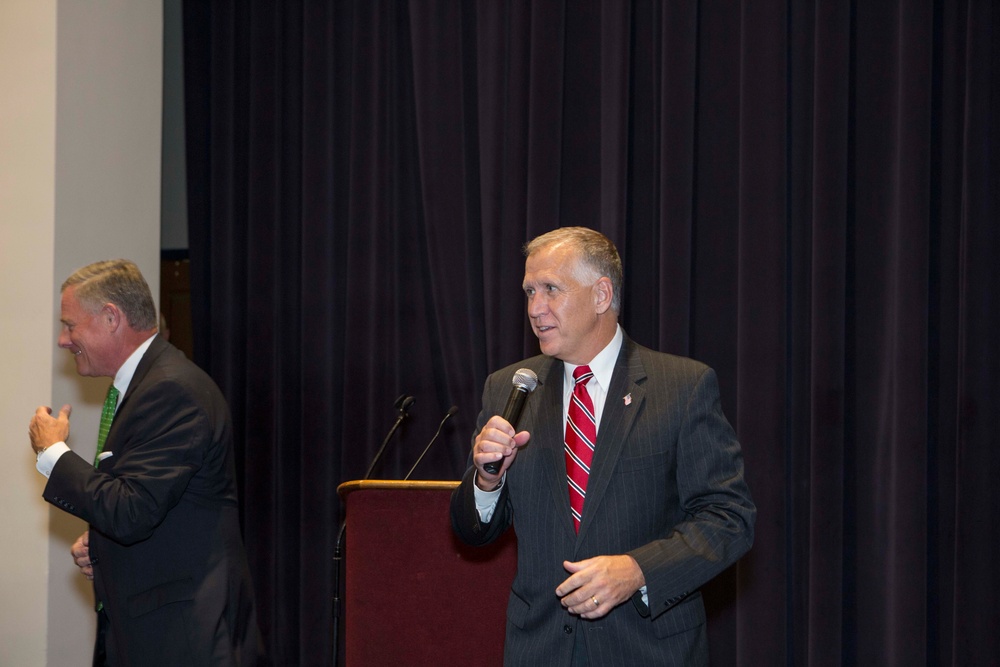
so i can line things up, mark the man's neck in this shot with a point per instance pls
(130, 342)
(608, 328)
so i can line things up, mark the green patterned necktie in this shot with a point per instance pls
(107, 415)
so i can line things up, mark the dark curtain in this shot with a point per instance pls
(805, 195)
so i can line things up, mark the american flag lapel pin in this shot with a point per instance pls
(628, 399)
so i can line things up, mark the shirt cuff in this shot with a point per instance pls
(47, 459)
(486, 501)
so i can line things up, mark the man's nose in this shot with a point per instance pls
(536, 306)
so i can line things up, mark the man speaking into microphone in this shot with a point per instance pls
(622, 477)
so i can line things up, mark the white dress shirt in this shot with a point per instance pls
(603, 367)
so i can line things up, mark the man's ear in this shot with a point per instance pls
(603, 294)
(111, 316)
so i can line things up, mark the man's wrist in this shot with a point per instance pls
(46, 459)
(486, 486)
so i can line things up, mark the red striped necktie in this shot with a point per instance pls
(581, 436)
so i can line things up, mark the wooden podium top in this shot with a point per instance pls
(389, 484)
(414, 594)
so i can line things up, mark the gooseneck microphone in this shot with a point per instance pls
(524, 382)
(402, 404)
(451, 413)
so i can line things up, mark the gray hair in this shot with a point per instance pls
(117, 281)
(595, 251)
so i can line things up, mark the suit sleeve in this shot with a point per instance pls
(161, 448)
(718, 512)
(464, 515)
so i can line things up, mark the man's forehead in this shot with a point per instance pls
(546, 274)
(553, 267)
(550, 258)
(67, 299)
(70, 306)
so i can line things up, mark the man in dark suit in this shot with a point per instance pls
(664, 504)
(164, 548)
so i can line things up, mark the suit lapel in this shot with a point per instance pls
(549, 425)
(616, 424)
(155, 349)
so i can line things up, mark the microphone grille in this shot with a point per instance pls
(526, 378)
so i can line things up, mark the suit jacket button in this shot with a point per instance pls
(567, 629)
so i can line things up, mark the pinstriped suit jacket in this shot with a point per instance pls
(666, 486)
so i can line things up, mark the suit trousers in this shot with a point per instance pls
(100, 646)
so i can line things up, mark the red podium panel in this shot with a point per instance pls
(415, 595)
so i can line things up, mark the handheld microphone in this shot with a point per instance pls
(451, 413)
(403, 404)
(524, 382)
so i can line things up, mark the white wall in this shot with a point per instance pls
(27, 230)
(79, 181)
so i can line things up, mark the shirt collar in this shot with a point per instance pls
(123, 378)
(602, 365)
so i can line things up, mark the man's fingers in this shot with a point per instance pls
(598, 585)
(81, 552)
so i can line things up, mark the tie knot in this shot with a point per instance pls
(582, 374)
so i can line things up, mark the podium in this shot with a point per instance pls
(414, 594)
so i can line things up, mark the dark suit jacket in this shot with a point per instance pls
(169, 563)
(666, 486)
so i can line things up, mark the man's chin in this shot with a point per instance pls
(549, 348)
